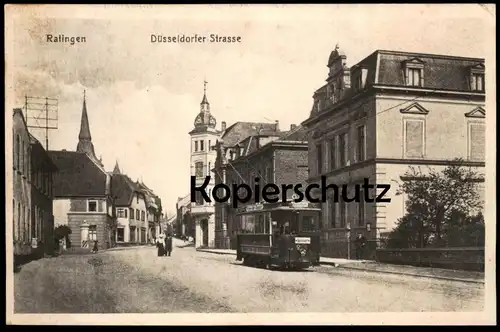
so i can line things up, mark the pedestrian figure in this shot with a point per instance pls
(160, 244)
(95, 248)
(168, 247)
(360, 243)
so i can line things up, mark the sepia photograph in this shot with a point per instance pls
(250, 164)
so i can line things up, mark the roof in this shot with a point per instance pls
(40, 155)
(440, 71)
(122, 189)
(241, 130)
(78, 175)
(299, 133)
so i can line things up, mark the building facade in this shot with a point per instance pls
(184, 225)
(272, 157)
(42, 218)
(32, 194)
(131, 210)
(228, 148)
(203, 138)
(83, 200)
(82, 193)
(390, 111)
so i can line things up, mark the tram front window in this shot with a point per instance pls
(309, 224)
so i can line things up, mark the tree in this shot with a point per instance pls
(63, 232)
(437, 205)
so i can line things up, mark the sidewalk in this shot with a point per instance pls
(372, 266)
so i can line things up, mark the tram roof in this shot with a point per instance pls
(279, 208)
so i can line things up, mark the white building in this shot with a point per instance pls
(203, 139)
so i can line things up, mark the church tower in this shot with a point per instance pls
(84, 138)
(203, 155)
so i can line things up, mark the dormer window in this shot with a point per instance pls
(414, 72)
(477, 78)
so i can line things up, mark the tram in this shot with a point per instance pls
(283, 235)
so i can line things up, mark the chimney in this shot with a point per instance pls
(293, 126)
(277, 126)
(223, 126)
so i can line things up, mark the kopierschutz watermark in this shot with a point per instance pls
(271, 193)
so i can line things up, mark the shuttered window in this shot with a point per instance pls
(414, 138)
(477, 141)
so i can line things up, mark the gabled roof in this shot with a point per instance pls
(78, 175)
(122, 189)
(241, 130)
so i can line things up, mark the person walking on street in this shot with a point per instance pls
(360, 243)
(160, 244)
(95, 249)
(169, 245)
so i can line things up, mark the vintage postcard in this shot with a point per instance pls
(250, 164)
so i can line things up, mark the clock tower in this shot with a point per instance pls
(203, 155)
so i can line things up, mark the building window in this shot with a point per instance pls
(358, 82)
(198, 167)
(27, 224)
(477, 82)
(132, 233)
(28, 164)
(137, 214)
(414, 138)
(22, 152)
(414, 77)
(120, 235)
(333, 212)
(195, 146)
(333, 156)
(143, 216)
(319, 154)
(361, 140)
(121, 213)
(202, 145)
(91, 206)
(18, 151)
(131, 213)
(23, 223)
(269, 174)
(342, 149)
(361, 209)
(343, 213)
(476, 141)
(92, 233)
(33, 222)
(137, 198)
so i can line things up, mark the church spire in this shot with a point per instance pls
(84, 139)
(117, 169)
(84, 124)
(205, 105)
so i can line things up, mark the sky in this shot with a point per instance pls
(142, 98)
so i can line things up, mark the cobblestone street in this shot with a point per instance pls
(135, 280)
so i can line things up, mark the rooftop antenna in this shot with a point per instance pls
(41, 113)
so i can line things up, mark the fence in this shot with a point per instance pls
(470, 258)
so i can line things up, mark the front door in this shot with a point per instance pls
(204, 229)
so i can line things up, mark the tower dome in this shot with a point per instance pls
(205, 118)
